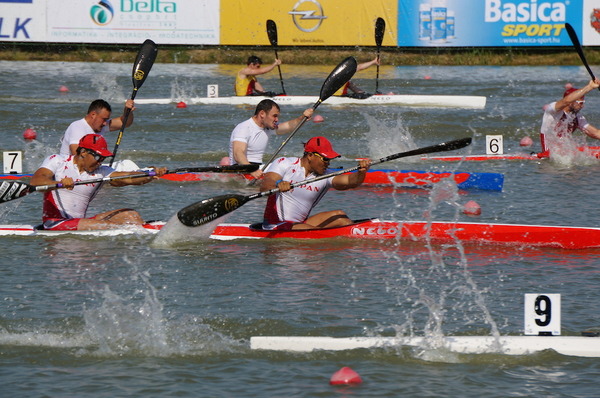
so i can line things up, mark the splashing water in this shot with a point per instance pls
(387, 136)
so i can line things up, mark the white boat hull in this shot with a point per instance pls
(578, 346)
(426, 101)
(30, 230)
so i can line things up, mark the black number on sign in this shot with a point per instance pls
(494, 147)
(543, 307)
(15, 155)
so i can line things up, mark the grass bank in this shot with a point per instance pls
(301, 55)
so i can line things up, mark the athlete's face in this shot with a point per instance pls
(271, 118)
(318, 163)
(97, 120)
(577, 106)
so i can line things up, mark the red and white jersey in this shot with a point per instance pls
(67, 203)
(556, 124)
(294, 205)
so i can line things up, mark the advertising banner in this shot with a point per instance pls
(591, 23)
(308, 22)
(133, 21)
(480, 23)
(22, 20)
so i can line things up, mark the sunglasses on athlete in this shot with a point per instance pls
(323, 158)
(97, 157)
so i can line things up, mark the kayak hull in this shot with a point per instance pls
(563, 237)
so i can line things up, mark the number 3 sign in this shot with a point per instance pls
(542, 314)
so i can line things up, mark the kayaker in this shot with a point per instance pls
(356, 92)
(65, 209)
(561, 118)
(97, 120)
(249, 139)
(246, 82)
(290, 209)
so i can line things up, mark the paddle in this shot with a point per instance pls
(579, 49)
(141, 68)
(272, 33)
(234, 168)
(10, 190)
(336, 79)
(379, 31)
(210, 209)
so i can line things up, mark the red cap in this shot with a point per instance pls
(569, 91)
(96, 143)
(322, 146)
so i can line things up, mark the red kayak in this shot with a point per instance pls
(505, 234)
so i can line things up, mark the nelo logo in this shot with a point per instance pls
(310, 17)
(102, 13)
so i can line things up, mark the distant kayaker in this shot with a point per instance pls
(249, 139)
(96, 121)
(65, 209)
(246, 82)
(356, 92)
(290, 209)
(561, 118)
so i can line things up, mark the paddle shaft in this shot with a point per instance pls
(93, 181)
(336, 79)
(446, 146)
(141, 67)
(272, 33)
(379, 31)
(235, 168)
(579, 49)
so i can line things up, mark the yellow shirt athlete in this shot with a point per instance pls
(246, 82)
(357, 92)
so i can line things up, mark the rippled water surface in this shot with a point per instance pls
(123, 316)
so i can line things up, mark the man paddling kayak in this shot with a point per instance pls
(97, 120)
(561, 118)
(246, 82)
(65, 209)
(249, 139)
(358, 93)
(290, 209)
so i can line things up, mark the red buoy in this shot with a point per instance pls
(63, 89)
(29, 134)
(318, 119)
(472, 208)
(526, 141)
(181, 104)
(345, 376)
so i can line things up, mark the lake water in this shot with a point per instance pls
(123, 316)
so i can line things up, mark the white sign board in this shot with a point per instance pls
(494, 145)
(13, 162)
(212, 91)
(542, 314)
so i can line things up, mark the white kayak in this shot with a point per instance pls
(578, 346)
(32, 230)
(426, 101)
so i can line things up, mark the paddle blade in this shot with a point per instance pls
(575, 40)
(10, 190)
(205, 211)
(143, 63)
(272, 32)
(234, 168)
(379, 31)
(337, 78)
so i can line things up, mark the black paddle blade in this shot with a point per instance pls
(143, 63)
(234, 168)
(10, 190)
(272, 32)
(203, 212)
(579, 49)
(337, 78)
(379, 31)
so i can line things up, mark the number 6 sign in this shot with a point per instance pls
(542, 314)
(494, 145)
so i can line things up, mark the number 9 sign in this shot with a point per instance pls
(542, 314)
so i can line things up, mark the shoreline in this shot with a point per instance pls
(511, 56)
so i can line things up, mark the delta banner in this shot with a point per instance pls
(308, 22)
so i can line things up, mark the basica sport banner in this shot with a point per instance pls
(498, 23)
